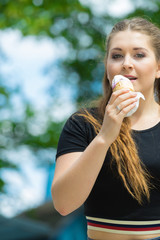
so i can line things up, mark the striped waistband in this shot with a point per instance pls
(123, 227)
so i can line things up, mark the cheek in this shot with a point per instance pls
(150, 72)
(149, 68)
(112, 70)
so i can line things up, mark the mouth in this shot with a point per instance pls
(130, 77)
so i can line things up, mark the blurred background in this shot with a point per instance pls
(51, 63)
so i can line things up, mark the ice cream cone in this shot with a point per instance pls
(121, 82)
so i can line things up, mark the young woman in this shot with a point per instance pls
(109, 162)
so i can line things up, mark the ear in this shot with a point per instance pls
(158, 70)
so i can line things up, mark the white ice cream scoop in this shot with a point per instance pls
(121, 82)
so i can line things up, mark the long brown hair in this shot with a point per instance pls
(124, 151)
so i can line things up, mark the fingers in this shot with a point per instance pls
(126, 110)
(126, 103)
(120, 96)
(122, 101)
(117, 94)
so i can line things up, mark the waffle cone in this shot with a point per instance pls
(123, 85)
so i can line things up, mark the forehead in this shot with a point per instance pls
(130, 39)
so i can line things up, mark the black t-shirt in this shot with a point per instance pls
(109, 198)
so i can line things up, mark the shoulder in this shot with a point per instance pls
(83, 113)
(83, 119)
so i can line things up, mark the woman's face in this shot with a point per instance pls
(131, 55)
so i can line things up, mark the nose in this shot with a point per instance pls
(127, 63)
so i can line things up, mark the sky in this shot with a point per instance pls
(116, 8)
(25, 64)
(27, 58)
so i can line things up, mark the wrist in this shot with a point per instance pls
(103, 140)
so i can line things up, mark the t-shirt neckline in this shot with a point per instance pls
(148, 129)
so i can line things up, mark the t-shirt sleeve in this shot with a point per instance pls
(73, 137)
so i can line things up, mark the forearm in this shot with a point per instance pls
(71, 189)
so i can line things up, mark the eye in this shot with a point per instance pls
(116, 56)
(140, 55)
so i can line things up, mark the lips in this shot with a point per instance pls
(130, 77)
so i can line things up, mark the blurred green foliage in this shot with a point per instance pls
(83, 33)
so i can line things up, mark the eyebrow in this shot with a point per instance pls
(137, 48)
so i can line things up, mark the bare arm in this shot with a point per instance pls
(76, 173)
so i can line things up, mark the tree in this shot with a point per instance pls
(67, 22)
(75, 25)
(83, 33)
(70, 22)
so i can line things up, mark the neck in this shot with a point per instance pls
(148, 109)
